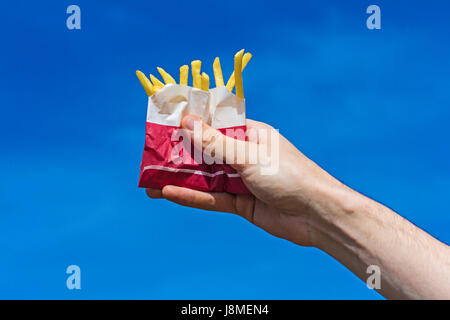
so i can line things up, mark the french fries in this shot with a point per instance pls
(148, 87)
(196, 66)
(238, 74)
(167, 77)
(184, 73)
(156, 81)
(205, 82)
(200, 79)
(218, 73)
(231, 81)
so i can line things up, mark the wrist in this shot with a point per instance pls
(337, 212)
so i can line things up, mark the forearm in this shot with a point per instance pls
(304, 204)
(360, 232)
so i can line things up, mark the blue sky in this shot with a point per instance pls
(369, 106)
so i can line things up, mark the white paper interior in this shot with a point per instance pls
(218, 107)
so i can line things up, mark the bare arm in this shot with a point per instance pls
(302, 203)
(360, 232)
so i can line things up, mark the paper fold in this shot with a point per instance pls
(217, 107)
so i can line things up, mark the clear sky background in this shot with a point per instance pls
(372, 107)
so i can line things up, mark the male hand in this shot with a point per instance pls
(284, 203)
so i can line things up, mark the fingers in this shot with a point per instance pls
(212, 201)
(241, 204)
(258, 132)
(214, 143)
(253, 124)
(154, 193)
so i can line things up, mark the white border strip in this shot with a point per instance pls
(199, 172)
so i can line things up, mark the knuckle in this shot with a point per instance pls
(211, 137)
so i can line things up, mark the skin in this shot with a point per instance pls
(305, 205)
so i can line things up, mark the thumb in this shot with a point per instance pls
(212, 142)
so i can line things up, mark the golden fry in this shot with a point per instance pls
(238, 74)
(205, 82)
(218, 73)
(231, 81)
(167, 77)
(148, 87)
(184, 73)
(196, 66)
(156, 81)
(198, 79)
